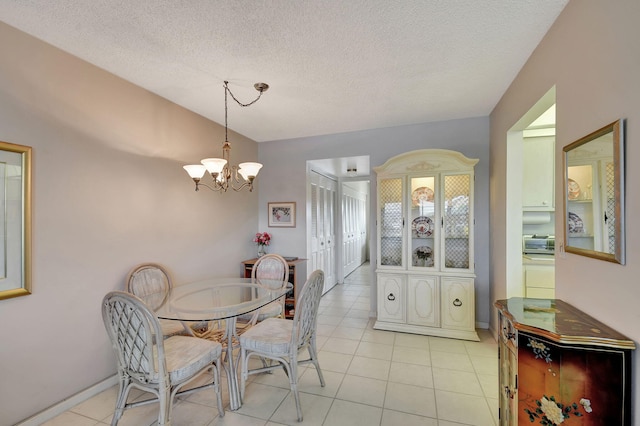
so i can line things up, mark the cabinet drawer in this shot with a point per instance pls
(541, 293)
(540, 276)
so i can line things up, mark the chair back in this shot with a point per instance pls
(306, 315)
(272, 268)
(131, 327)
(149, 278)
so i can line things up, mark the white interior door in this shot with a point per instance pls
(322, 239)
(354, 232)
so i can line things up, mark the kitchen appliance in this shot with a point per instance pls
(538, 244)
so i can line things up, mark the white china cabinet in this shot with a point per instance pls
(425, 264)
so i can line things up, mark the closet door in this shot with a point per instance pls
(323, 201)
(353, 229)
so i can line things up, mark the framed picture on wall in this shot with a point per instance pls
(282, 214)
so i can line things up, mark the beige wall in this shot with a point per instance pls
(591, 55)
(109, 193)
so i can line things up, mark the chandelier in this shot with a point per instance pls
(224, 175)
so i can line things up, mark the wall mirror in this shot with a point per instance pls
(594, 201)
(15, 220)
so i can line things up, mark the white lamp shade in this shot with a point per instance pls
(249, 169)
(214, 165)
(196, 171)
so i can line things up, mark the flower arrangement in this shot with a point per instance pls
(262, 238)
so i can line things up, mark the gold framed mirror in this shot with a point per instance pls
(594, 196)
(15, 220)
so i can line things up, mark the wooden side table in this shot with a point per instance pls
(296, 273)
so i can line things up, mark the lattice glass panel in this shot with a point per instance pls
(611, 206)
(456, 221)
(391, 222)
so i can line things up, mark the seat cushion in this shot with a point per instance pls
(272, 310)
(271, 336)
(187, 355)
(171, 328)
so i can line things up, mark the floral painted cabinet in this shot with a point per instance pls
(560, 366)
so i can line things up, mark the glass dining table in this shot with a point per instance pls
(217, 301)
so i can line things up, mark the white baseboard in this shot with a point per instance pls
(72, 401)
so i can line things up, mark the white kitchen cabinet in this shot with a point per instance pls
(539, 281)
(425, 267)
(538, 173)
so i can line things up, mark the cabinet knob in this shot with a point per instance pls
(391, 297)
(457, 302)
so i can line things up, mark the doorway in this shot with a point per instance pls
(535, 134)
(337, 218)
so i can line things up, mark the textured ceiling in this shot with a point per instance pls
(333, 65)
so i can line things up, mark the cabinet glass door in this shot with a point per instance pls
(391, 222)
(456, 221)
(423, 221)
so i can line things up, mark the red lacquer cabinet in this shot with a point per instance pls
(558, 365)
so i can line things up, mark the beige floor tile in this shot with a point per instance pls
(314, 410)
(411, 374)
(354, 322)
(233, 418)
(310, 383)
(379, 336)
(489, 385)
(410, 355)
(447, 345)
(451, 361)
(410, 399)
(466, 409)
(188, 414)
(369, 367)
(375, 350)
(325, 319)
(350, 333)
(412, 340)
(340, 345)
(362, 390)
(485, 365)
(396, 418)
(345, 413)
(456, 381)
(333, 361)
(261, 401)
(69, 418)
(103, 404)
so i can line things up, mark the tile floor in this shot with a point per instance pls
(372, 378)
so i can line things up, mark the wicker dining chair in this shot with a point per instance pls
(281, 340)
(272, 272)
(160, 366)
(153, 279)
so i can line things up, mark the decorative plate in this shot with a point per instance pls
(573, 189)
(422, 195)
(575, 224)
(422, 227)
(423, 256)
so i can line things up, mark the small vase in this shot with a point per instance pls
(261, 251)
